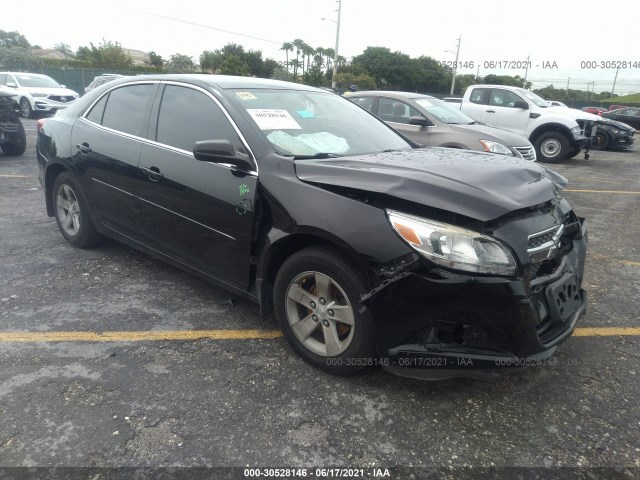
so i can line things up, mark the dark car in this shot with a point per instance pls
(101, 80)
(369, 250)
(430, 121)
(611, 135)
(13, 140)
(628, 115)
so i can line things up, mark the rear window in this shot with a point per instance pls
(127, 109)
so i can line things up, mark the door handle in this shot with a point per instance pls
(84, 148)
(153, 174)
(490, 111)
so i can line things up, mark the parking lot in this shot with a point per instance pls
(110, 358)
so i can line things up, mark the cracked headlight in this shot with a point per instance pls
(453, 247)
(495, 147)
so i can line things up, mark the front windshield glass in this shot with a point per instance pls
(307, 123)
(443, 112)
(42, 82)
(539, 101)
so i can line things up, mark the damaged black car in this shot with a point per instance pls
(13, 139)
(369, 250)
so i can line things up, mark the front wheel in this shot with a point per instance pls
(317, 303)
(601, 141)
(25, 108)
(552, 147)
(72, 213)
(17, 143)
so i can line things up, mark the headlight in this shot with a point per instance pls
(453, 247)
(496, 147)
(38, 94)
(576, 130)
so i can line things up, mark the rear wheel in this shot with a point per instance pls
(25, 108)
(317, 304)
(552, 147)
(72, 213)
(17, 143)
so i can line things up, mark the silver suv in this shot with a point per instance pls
(36, 93)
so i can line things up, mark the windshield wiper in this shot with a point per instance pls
(316, 155)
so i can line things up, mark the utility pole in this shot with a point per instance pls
(335, 52)
(614, 81)
(455, 65)
(593, 89)
(586, 95)
(567, 94)
(526, 71)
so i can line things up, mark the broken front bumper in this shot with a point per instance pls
(436, 324)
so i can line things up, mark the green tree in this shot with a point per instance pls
(234, 65)
(287, 47)
(156, 61)
(13, 39)
(63, 48)
(210, 61)
(180, 63)
(107, 54)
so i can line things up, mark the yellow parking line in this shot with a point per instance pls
(598, 180)
(173, 335)
(138, 336)
(630, 263)
(17, 176)
(624, 192)
(606, 332)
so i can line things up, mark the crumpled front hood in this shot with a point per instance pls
(614, 123)
(478, 185)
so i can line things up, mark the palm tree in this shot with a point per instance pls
(308, 51)
(298, 44)
(329, 53)
(287, 47)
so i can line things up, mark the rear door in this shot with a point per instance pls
(108, 140)
(397, 114)
(198, 213)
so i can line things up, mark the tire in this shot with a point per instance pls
(25, 108)
(552, 147)
(71, 212)
(338, 340)
(573, 153)
(601, 141)
(17, 143)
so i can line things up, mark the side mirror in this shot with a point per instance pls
(417, 120)
(521, 104)
(63, 86)
(219, 151)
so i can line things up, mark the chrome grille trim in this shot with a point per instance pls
(527, 152)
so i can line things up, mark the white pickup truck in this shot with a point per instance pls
(556, 133)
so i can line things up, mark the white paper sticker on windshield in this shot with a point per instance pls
(246, 95)
(272, 119)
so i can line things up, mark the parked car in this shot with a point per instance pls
(611, 135)
(557, 133)
(556, 103)
(13, 139)
(101, 80)
(36, 93)
(433, 122)
(369, 249)
(616, 107)
(628, 115)
(457, 100)
(593, 110)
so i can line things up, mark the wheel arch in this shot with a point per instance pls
(49, 179)
(551, 127)
(277, 253)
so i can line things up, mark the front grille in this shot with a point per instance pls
(546, 238)
(527, 152)
(61, 98)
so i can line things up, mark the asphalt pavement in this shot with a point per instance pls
(111, 359)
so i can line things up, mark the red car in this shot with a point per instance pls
(594, 110)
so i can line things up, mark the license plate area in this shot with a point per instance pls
(563, 297)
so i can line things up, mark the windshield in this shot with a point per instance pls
(443, 112)
(32, 81)
(539, 101)
(307, 123)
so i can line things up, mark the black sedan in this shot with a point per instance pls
(612, 135)
(629, 115)
(369, 250)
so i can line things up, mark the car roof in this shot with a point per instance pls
(390, 93)
(221, 81)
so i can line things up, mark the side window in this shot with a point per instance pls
(3, 78)
(503, 98)
(479, 96)
(127, 109)
(96, 113)
(188, 116)
(396, 111)
(364, 102)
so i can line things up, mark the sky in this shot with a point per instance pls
(565, 37)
